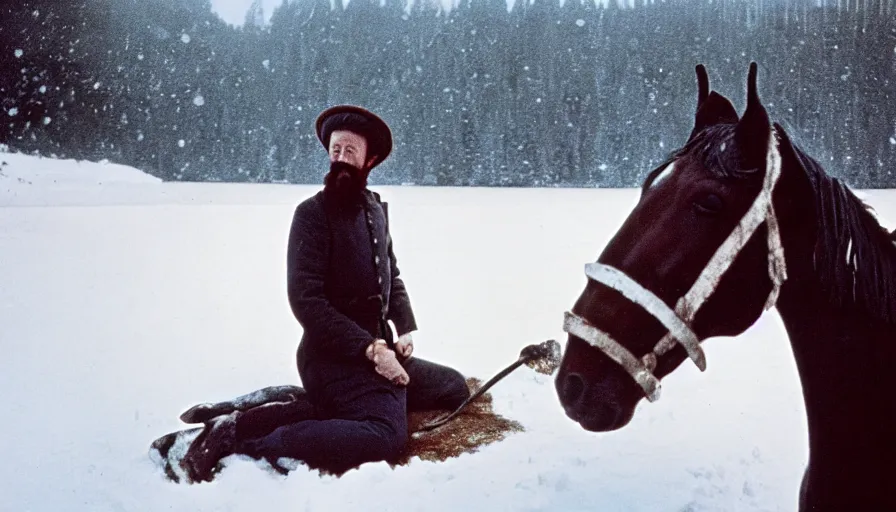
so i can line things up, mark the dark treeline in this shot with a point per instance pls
(544, 94)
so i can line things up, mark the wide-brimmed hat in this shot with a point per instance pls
(357, 120)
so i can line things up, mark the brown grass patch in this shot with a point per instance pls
(476, 426)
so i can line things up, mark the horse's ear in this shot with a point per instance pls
(702, 85)
(712, 107)
(754, 128)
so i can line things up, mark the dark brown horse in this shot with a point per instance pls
(738, 220)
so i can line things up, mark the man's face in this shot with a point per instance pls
(347, 178)
(348, 147)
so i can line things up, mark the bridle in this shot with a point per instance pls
(678, 322)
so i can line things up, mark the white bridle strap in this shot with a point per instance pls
(639, 371)
(777, 264)
(643, 297)
(678, 322)
(762, 210)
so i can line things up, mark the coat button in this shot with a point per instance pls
(374, 241)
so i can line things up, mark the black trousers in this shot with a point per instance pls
(356, 415)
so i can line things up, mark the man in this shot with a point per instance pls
(344, 287)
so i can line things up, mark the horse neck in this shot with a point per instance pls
(844, 359)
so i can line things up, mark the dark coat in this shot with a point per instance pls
(343, 286)
(343, 281)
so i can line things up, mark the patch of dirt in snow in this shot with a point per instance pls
(476, 426)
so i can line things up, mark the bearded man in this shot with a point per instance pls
(344, 288)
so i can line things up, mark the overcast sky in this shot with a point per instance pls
(234, 11)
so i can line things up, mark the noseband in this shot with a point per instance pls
(678, 322)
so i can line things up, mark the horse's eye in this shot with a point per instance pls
(708, 204)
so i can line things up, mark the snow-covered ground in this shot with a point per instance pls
(124, 300)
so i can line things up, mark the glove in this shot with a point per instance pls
(405, 345)
(386, 363)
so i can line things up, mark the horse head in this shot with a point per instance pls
(699, 256)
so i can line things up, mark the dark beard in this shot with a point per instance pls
(344, 185)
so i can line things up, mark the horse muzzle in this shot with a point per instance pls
(600, 399)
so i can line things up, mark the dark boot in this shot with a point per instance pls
(218, 441)
(227, 434)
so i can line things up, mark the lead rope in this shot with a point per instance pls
(543, 358)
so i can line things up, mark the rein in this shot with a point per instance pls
(543, 358)
(678, 321)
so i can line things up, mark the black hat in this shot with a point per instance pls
(357, 120)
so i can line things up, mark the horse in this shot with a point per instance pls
(736, 221)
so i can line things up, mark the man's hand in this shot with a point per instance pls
(386, 363)
(405, 345)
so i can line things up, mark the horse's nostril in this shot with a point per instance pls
(573, 386)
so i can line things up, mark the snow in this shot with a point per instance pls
(126, 300)
(33, 181)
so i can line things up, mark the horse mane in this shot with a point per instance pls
(713, 146)
(855, 257)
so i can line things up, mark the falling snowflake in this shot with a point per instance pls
(13, 111)
(181, 143)
(96, 85)
(199, 100)
(185, 38)
(580, 22)
(47, 120)
(893, 141)
(140, 56)
(43, 89)
(19, 53)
